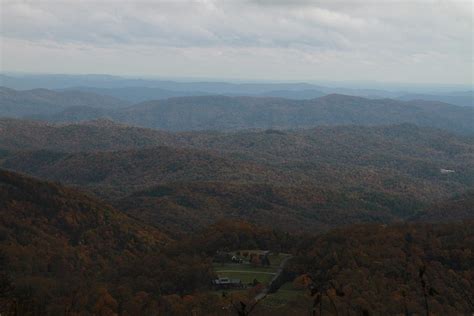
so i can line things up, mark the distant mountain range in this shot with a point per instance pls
(462, 99)
(232, 113)
(141, 94)
(14, 103)
(138, 90)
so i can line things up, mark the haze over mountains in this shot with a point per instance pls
(462, 98)
(139, 90)
(42, 100)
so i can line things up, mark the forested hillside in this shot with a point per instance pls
(391, 270)
(64, 252)
(179, 207)
(231, 113)
(458, 207)
(99, 135)
(348, 144)
(299, 156)
(297, 180)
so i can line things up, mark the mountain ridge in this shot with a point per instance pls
(220, 112)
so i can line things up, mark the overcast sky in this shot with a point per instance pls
(393, 41)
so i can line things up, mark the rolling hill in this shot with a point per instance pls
(297, 180)
(124, 170)
(459, 98)
(346, 156)
(99, 135)
(189, 207)
(139, 94)
(457, 208)
(348, 144)
(192, 179)
(43, 102)
(233, 113)
(62, 251)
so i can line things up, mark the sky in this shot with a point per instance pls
(382, 41)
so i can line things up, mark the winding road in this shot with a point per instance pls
(264, 292)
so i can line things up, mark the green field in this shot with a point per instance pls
(247, 276)
(245, 272)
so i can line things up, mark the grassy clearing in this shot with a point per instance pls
(241, 267)
(247, 276)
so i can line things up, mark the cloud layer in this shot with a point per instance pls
(405, 41)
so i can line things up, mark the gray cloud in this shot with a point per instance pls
(334, 40)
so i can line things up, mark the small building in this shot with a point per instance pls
(226, 283)
(446, 171)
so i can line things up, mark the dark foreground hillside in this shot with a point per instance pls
(64, 253)
(391, 270)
